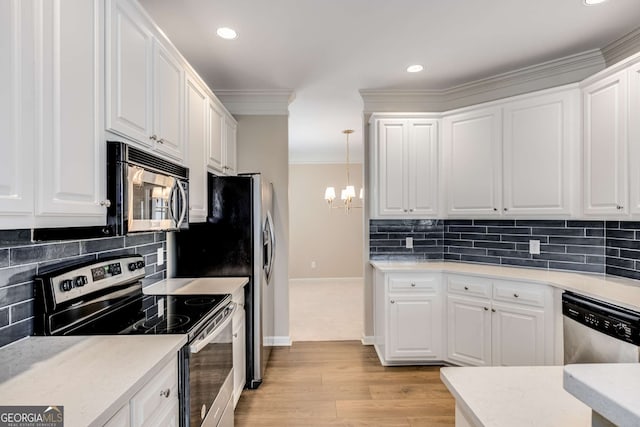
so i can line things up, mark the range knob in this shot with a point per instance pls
(80, 281)
(132, 266)
(140, 264)
(620, 330)
(66, 285)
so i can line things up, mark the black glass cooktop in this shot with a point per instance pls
(155, 314)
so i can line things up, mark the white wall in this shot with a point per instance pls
(263, 146)
(329, 237)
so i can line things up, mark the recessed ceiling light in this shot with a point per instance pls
(414, 68)
(227, 33)
(592, 2)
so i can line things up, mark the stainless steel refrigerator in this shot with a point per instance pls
(237, 239)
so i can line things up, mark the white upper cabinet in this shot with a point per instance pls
(16, 124)
(405, 171)
(230, 155)
(145, 81)
(539, 140)
(196, 119)
(215, 152)
(71, 176)
(634, 136)
(472, 144)
(605, 146)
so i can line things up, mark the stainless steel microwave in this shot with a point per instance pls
(147, 193)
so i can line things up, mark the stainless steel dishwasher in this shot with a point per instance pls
(599, 332)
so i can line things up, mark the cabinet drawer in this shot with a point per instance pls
(469, 285)
(153, 396)
(420, 283)
(520, 293)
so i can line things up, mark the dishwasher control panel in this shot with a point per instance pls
(612, 320)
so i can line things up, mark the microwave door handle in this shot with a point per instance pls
(171, 197)
(200, 344)
(183, 212)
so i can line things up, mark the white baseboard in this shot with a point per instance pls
(279, 341)
(367, 340)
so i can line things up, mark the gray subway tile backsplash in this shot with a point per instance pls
(21, 260)
(591, 246)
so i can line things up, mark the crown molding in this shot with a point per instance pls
(569, 69)
(256, 102)
(622, 48)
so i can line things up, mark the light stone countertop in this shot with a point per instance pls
(611, 389)
(515, 396)
(196, 286)
(616, 290)
(92, 377)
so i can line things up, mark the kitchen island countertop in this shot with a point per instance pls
(514, 396)
(92, 377)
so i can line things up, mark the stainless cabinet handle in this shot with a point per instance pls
(486, 308)
(516, 295)
(413, 285)
(393, 302)
(505, 209)
(495, 209)
(410, 210)
(106, 203)
(493, 310)
(619, 207)
(405, 210)
(161, 141)
(153, 137)
(165, 393)
(466, 288)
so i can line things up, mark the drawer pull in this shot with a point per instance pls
(413, 285)
(165, 393)
(486, 308)
(466, 288)
(516, 295)
(393, 302)
(493, 310)
(235, 335)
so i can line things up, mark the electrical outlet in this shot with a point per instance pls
(161, 307)
(160, 256)
(313, 264)
(409, 242)
(534, 247)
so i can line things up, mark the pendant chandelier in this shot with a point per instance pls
(348, 193)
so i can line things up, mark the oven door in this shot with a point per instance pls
(155, 201)
(208, 374)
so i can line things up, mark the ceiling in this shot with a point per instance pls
(325, 51)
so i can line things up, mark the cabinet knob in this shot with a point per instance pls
(161, 141)
(393, 302)
(235, 335)
(516, 295)
(106, 203)
(466, 288)
(495, 209)
(413, 285)
(486, 308)
(405, 210)
(410, 210)
(619, 207)
(165, 393)
(153, 137)
(493, 310)
(505, 209)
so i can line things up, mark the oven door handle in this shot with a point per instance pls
(203, 342)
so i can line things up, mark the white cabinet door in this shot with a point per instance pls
(634, 136)
(158, 395)
(469, 331)
(538, 142)
(196, 104)
(472, 144)
(518, 335)
(167, 102)
(230, 128)
(16, 114)
(70, 152)
(214, 138)
(129, 72)
(414, 327)
(605, 146)
(392, 174)
(422, 160)
(239, 355)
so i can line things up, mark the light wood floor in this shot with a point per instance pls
(341, 383)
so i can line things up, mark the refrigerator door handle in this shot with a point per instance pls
(269, 246)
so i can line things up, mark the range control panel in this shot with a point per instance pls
(617, 322)
(74, 283)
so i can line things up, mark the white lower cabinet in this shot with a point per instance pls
(408, 326)
(239, 346)
(513, 327)
(156, 404)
